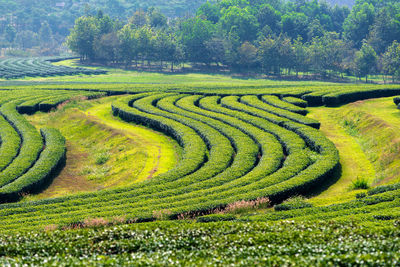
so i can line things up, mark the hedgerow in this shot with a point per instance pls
(295, 101)
(50, 161)
(278, 103)
(235, 148)
(12, 68)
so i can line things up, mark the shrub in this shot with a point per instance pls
(360, 183)
(216, 218)
(102, 158)
(361, 195)
(246, 206)
(293, 203)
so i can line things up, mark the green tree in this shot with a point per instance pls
(365, 61)
(268, 53)
(26, 39)
(107, 47)
(10, 33)
(209, 11)
(242, 21)
(295, 25)
(164, 47)
(82, 37)
(216, 49)
(247, 55)
(46, 35)
(301, 56)
(194, 34)
(391, 61)
(327, 53)
(128, 44)
(139, 18)
(385, 30)
(357, 24)
(268, 16)
(144, 40)
(156, 18)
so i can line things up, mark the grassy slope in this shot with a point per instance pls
(367, 134)
(103, 151)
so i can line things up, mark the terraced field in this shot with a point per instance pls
(13, 68)
(249, 146)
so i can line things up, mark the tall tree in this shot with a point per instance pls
(357, 24)
(156, 18)
(10, 33)
(295, 25)
(128, 44)
(209, 12)
(82, 37)
(247, 55)
(385, 30)
(241, 21)
(366, 61)
(268, 16)
(194, 34)
(391, 61)
(46, 35)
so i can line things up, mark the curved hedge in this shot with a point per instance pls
(28, 159)
(278, 103)
(232, 151)
(50, 161)
(13, 68)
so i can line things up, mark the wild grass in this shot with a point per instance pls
(367, 134)
(360, 183)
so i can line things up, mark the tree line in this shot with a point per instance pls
(268, 36)
(23, 20)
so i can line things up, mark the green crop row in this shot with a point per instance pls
(31, 146)
(49, 163)
(278, 103)
(378, 202)
(208, 244)
(205, 185)
(317, 173)
(262, 105)
(10, 142)
(19, 67)
(295, 101)
(22, 145)
(348, 93)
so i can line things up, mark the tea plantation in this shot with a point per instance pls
(244, 149)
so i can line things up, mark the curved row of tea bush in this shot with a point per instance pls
(12, 68)
(48, 164)
(27, 159)
(295, 101)
(265, 105)
(317, 173)
(276, 102)
(226, 158)
(379, 204)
